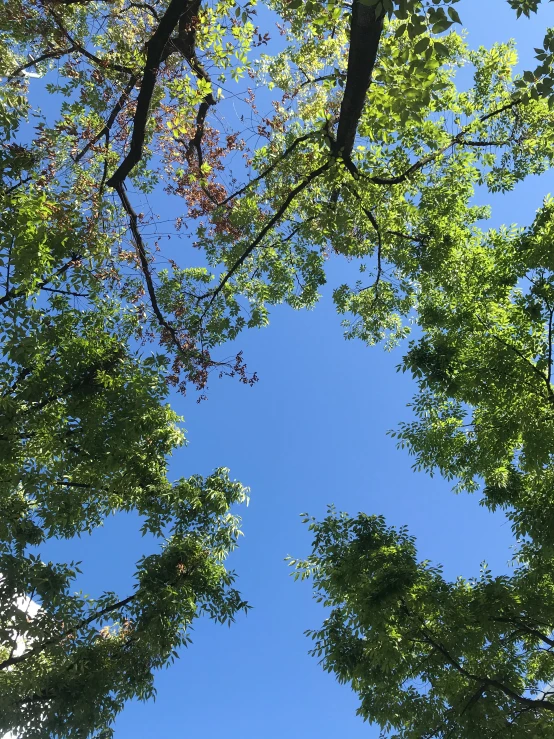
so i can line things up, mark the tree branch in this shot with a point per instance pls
(155, 56)
(185, 43)
(52, 54)
(522, 356)
(64, 292)
(365, 34)
(103, 63)
(549, 372)
(271, 167)
(146, 6)
(118, 107)
(529, 629)
(534, 704)
(39, 648)
(454, 141)
(17, 185)
(268, 226)
(11, 294)
(145, 267)
(377, 230)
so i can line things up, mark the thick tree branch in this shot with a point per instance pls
(155, 56)
(365, 34)
(185, 43)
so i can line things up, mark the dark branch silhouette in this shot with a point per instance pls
(171, 334)
(457, 140)
(118, 107)
(268, 226)
(371, 218)
(533, 367)
(39, 648)
(185, 43)
(540, 704)
(51, 54)
(271, 167)
(145, 267)
(146, 6)
(11, 294)
(365, 34)
(156, 54)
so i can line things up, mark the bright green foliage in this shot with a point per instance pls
(428, 657)
(403, 201)
(86, 433)
(484, 368)
(373, 155)
(83, 658)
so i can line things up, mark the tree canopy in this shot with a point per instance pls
(374, 152)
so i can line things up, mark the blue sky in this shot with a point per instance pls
(311, 432)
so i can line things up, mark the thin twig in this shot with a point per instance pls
(268, 226)
(271, 167)
(52, 54)
(457, 140)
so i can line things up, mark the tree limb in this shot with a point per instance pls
(484, 681)
(365, 34)
(521, 355)
(52, 54)
(11, 294)
(39, 648)
(528, 629)
(271, 167)
(155, 56)
(146, 6)
(118, 107)
(185, 43)
(145, 267)
(457, 140)
(377, 230)
(268, 226)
